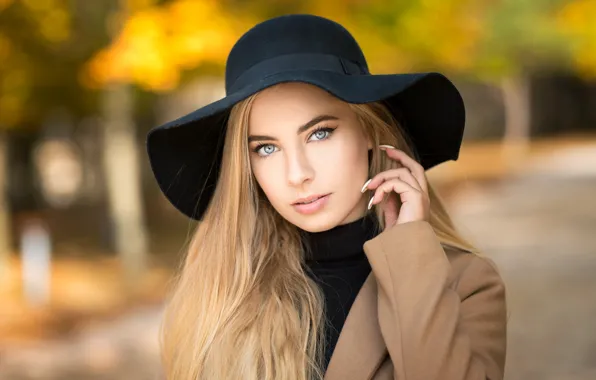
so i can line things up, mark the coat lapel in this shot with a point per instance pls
(360, 348)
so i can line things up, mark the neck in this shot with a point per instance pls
(339, 243)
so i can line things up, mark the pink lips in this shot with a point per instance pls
(309, 208)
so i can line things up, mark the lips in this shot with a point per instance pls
(311, 205)
(310, 199)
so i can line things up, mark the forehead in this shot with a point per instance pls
(292, 104)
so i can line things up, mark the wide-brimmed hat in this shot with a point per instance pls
(185, 154)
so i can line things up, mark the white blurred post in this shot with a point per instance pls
(36, 248)
(517, 99)
(123, 180)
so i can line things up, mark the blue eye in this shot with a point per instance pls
(265, 150)
(321, 133)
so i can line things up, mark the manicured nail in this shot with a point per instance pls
(370, 202)
(386, 147)
(365, 184)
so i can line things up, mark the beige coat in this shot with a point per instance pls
(424, 313)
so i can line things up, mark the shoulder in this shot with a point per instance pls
(472, 271)
(414, 245)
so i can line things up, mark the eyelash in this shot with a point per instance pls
(319, 128)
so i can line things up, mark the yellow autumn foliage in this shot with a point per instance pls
(52, 21)
(52, 17)
(443, 33)
(159, 42)
(15, 84)
(5, 3)
(577, 19)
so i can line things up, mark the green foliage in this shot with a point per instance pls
(59, 52)
(42, 46)
(521, 36)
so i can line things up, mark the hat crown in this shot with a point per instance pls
(290, 35)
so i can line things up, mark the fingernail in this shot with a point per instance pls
(365, 184)
(370, 202)
(386, 147)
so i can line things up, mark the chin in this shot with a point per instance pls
(315, 223)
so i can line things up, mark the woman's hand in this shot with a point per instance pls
(408, 182)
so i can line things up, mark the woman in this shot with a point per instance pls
(322, 250)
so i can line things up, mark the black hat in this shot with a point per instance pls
(186, 153)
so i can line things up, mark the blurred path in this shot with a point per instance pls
(124, 349)
(540, 228)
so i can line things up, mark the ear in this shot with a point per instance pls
(369, 144)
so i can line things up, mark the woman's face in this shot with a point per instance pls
(307, 145)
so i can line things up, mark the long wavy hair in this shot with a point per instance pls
(242, 306)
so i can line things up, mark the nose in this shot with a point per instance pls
(299, 169)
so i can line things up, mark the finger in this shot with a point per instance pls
(415, 167)
(402, 173)
(404, 190)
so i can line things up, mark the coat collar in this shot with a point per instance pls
(360, 348)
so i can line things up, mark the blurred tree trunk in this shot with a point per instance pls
(4, 215)
(517, 102)
(122, 173)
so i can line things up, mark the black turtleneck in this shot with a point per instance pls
(338, 264)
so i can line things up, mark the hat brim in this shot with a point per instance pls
(185, 154)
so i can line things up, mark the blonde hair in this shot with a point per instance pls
(242, 306)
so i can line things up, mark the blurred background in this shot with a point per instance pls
(88, 244)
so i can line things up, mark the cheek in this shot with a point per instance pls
(268, 177)
(345, 161)
(355, 172)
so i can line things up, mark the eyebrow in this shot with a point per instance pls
(300, 130)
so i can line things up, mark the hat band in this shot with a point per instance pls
(293, 62)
